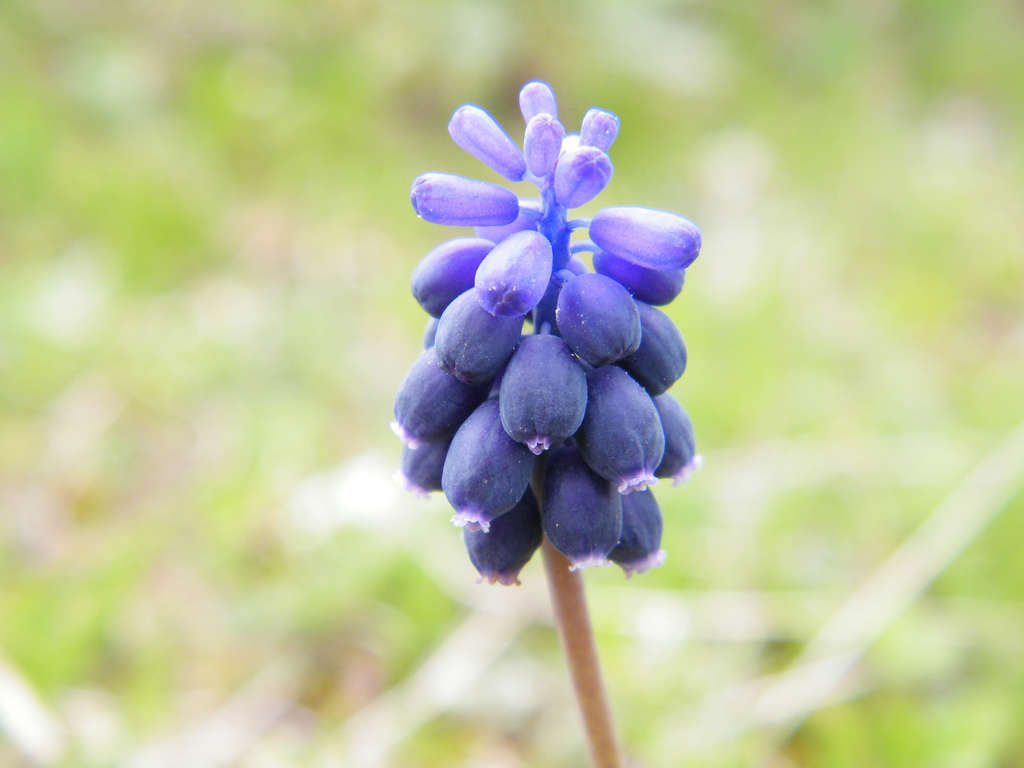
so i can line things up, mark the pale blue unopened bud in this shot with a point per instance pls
(542, 143)
(536, 98)
(599, 129)
(475, 131)
(580, 175)
(444, 198)
(646, 236)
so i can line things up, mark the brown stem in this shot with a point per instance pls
(569, 603)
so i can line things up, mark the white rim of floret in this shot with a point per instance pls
(653, 560)
(410, 486)
(471, 520)
(505, 579)
(538, 444)
(594, 560)
(412, 442)
(693, 465)
(638, 482)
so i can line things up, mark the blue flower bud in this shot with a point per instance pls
(430, 403)
(471, 343)
(581, 513)
(651, 285)
(576, 266)
(598, 319)
(543, 393)
(527, 219)
(444, 198)
(660, 359)
(599, 129)
(646, 236)
(639, 548)
(681, 458)
(500, 555)
(429, 332)
(621, 437)
(580, 175)
(514, 276)
(486, 471)
(421, 466)
(542, 143)
(475, 131)
(447, 271)
(535, 98)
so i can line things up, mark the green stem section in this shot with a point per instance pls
(569, 605)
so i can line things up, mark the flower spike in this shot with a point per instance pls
(584, 398)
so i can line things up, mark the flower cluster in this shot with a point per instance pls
(586, 390)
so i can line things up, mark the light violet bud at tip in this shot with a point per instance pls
(646, 236)
(535, 98)
(542, 143)
(599, 129)
(580, 175)
(444, 198)
(479, 134)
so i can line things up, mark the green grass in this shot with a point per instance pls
(205, 245)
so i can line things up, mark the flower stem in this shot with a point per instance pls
(569, 604)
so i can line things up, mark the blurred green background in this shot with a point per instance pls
(205, 245)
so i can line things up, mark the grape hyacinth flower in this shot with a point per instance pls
(549, 439)
(590, 382)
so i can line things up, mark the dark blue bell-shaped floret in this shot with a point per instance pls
(529, 215)
(621, 436)
(500, 555)
(543, 393)
(646, 236)
(444, 198)
(421, 466)
(639, 548)
(447, 271)
(542, 143)
(651, 285)
(431, 403)
(581, 512)
(598, 319)
(536, 98)
(429, 332)
(660, 359)
(513, 276)
(681, 458)
(475, 131)
(471, 343)
(580, 175)
(486, 471)
(599, 129)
